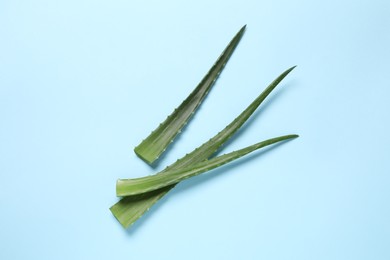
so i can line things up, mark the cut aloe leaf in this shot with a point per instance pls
(138, 186)
(156, 143)
(129, 209)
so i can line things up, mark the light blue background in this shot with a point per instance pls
(83, 82)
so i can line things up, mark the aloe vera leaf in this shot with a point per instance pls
(126, 211)
(156, 143)
(207, 149)
(129, 209)
(138, 186)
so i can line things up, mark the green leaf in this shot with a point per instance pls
(207, 149)
(129, 187)
(129, 209)
(156, 143)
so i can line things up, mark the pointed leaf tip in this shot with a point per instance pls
(290, 69)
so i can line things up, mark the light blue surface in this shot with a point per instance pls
(82, 82)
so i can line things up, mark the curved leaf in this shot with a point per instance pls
(156, 143)
(129, 187)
